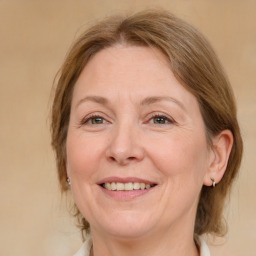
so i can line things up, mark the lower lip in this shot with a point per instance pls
(126, 195)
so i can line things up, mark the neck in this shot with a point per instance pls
(166, 243)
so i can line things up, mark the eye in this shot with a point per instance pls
(160, 119)
(93, 120)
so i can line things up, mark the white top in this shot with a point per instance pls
(86, 247)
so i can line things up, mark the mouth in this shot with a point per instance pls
(127, 186)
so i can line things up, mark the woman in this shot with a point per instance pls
(146, 136)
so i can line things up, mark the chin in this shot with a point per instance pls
(128, 232)
(127, 227)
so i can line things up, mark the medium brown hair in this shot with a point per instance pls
(194, 64)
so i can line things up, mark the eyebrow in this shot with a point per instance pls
(97, 99)
(146, 101)
(155, 99)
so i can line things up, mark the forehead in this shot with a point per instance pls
(127, 60)
(136, 71)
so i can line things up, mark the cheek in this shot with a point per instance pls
(181, 157)
(181, 162)
(82, 156)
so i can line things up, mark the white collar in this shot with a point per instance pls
(204, 250)
(85, 249)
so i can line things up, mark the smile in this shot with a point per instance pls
(128, 186)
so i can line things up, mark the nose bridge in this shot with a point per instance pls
(124, 145)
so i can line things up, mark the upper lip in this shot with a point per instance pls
(125, 180)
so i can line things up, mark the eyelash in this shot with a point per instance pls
(89, 118)
(86, 120)
(164, 117)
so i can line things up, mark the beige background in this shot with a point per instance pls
(34, 38)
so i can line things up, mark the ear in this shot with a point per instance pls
(219, 155)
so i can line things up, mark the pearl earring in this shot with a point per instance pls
(68, 181)
(213, 182)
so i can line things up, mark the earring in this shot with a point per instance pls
(68, 181)
(213, 182)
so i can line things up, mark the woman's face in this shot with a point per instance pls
(136, 145)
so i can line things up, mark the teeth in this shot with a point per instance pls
(148, 186)
(108, 186)
(126, 186)
(119, 186)
(113, 186)
(142, 185)
(136, 185)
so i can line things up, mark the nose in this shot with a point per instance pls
(125, 145)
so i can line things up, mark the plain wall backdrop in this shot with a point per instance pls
(34, 39)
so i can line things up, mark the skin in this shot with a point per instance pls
(126, 139)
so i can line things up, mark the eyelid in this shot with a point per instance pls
(88, 117)
(84, 120)
(159, 114)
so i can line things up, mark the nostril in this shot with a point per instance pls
(112, 158)
(131, 158)
(121, 160)
(124, 156)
